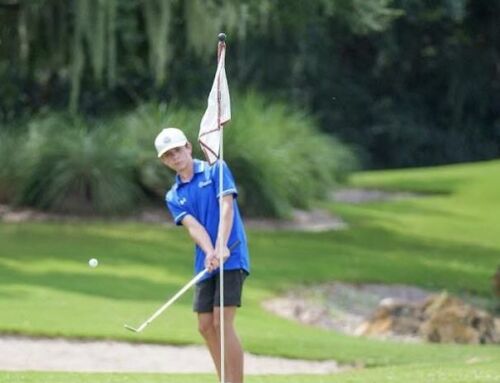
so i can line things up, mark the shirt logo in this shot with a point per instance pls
(202, 184)
(182, 200)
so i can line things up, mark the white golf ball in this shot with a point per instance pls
(93, 262)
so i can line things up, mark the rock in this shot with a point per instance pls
(449, 320)
(392, 316)
(439, 318)
(301, 310)
(496, 283)
(447, 326)
(379, 326)
(497, 330)
(396, 312)
(309, 314)
(4, 209)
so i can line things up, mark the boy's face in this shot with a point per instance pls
(179, 158)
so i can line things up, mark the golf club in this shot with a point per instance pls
(175, 297)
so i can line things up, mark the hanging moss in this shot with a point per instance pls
(77, 55)
(205, 19)
(95, 31)
(157, 15)
(22, 29)
(111, 40)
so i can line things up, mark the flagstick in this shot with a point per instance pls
(221, 46)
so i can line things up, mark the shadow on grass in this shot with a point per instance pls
(372, 254)
(368, 252)
(39, 245)
(102, 285)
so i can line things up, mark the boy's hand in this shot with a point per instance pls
(212, 259)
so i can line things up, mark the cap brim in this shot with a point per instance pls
(172, 146)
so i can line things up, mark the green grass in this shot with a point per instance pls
(449, 239)
(444, 241)
(472, 372)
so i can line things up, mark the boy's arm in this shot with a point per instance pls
(199, 234)
(227, 221)
(224, 232)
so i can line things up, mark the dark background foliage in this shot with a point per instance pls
(408, 82)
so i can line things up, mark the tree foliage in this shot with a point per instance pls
(409, 82)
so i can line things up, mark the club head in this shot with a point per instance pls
(130, 328)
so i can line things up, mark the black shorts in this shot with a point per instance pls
(206, 294)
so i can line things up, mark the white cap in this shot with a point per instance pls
(169, 138)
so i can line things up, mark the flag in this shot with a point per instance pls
(218, 112)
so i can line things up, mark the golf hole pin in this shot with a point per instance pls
(93, 262)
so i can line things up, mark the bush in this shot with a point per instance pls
(73, 167)
(278, 157)
(12, 163)
(140, 128)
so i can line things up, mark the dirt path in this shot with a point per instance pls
(23, 354)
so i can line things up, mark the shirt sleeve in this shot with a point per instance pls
(176, 209)
(229, 186)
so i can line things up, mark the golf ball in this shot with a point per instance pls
(93, 262)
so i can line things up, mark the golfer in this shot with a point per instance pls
(193, 202)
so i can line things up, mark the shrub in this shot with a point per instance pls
(73, 167)
(12, 164)
(279, 158)
(277, 155)
(140, 128)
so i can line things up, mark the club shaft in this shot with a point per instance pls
(176, 296)
(173, 299)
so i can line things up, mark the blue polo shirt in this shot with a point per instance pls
(199, 198)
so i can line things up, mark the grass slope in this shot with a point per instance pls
(446, 241)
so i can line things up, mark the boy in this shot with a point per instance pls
(194, 203)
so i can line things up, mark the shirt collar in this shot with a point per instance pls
(198, 167)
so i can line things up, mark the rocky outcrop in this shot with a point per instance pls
(439, 318)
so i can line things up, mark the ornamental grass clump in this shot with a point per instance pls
(12, 166)
(67, 164)
(279, 158)
(282, 159)
(77, 167)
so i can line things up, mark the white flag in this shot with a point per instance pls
(210, 131)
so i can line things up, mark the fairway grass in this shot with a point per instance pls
(474, 372)
(444, 241)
